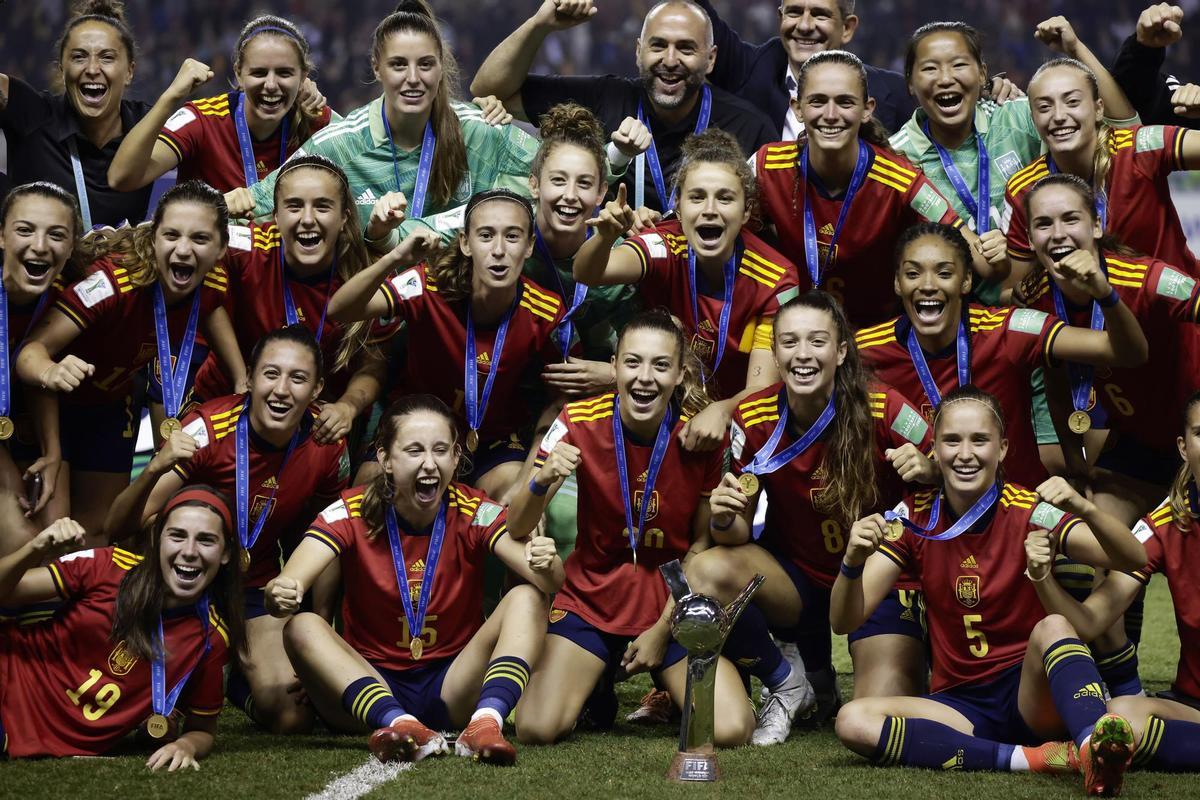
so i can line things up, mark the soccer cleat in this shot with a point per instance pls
(1053, 758)
(406, 740)
(1105, 756)
(483, 741)
(657, 708)
(782, 706)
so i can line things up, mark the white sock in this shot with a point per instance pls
(1018, 762)
(488, 712)
(402, 716)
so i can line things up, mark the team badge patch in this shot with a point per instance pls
(553, 436)
(1142, 532)
(1009, 164)
(1027, 320)
(557, 615)
(93, 289)
(966, 588)
(408, 284)
(1174, 285)
(655, 245)
(929, 204)
(703, 348)
(180, 118)
(651, 510)
(910, 425)
(486, 514)
(1149, 137)
(121, 660)
(737, 440)
(787, 294)
(1046, 516)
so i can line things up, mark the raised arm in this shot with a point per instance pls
(1137, 69)
(283, 594)
(1102, 540)
(535, 559)
(597, 263)
(531, 497)
(1057, 34)
(149, 491)
(21, 583)
(362, 298)
(36, 365)
(865, 578)
(1122, 343)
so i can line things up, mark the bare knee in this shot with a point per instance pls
(302, 634)
(1051, 629)
(543, 729)
(857, 727)
(714, 572)
(734, 729)
(526, 600)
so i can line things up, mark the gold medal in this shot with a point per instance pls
(157, 726)
(245, 560)
(1079, 422)
(169, 426)
(472, 441)
(416, 647)
(749, 483)
(6, 429)
(895, 529)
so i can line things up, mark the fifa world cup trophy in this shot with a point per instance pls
(700, 624)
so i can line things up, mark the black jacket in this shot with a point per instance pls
(1138, 71)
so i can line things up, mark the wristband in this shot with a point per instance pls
(1038, 580)
(615, 157)
(713, 524)
(536, 488)
(1110, 301)
(853, 573)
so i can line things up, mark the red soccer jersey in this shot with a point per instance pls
(204, 139)
(795, 528)
(602, 584)
(1006, 346)
(252, 262)
(764, 281)
(67, 689)
(373, 618)
(894, 196)
(315, 473)
(1167, 304)
(116, 322)
(1175, 553)
(977, 628)
(1140, 211)
(21, 319)
(437, 346)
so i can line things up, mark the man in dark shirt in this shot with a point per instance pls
(1159, 98)
(674, 54)
(765, 74)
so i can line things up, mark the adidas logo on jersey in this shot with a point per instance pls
(270, 483)
(826, 230)
(418, 566)
(642, 477)
(260, 166)
(969, 563)
(483, 360)
(1092, 690)
(367, 198)
(707, 327)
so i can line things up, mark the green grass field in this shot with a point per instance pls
(626, 763)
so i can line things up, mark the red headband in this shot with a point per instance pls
(205, 496)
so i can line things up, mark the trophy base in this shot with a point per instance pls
(693, 767)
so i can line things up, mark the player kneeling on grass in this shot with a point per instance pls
(415, 654)
(140, 639)
(1167, 727)
(1006, 677)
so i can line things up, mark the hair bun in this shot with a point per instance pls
(114, 9)
(414, 7)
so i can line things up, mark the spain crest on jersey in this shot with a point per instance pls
(121, 660)
(703, 348)
(652, 510)
(966, 587)
(262, 505)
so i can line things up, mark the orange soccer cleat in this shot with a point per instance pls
(483, 741)
(1106, 755)
(406, 740)
(1053, 758)
(656, 708)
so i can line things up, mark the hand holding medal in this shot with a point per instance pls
(865, 537)
(728, 501)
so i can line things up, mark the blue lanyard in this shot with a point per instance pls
(161, 701)
(241, 462)
(85, 208)
(1101, 197)
(650, 157)
(767, 461)
(566, 328)
(980, 211)
(174, 379)
(730, 274)
(477, 406)
(661, 441)
(289, 304)
(416, 617)
(962, 348)
(5, 375)
(1080, 374)
(416, 203)
(960, 527)
(246, 144)
(811, 255)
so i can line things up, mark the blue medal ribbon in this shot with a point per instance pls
(476, 406)
(811, 254)
(416, 203)
(289, 304)
(174, 379)
(416, 617)
(960, 527)
(1080, 374)
(730, 274)
(962, 348)
(246, 144)
(5, 356)
(650, 157)
(1101, 196)
(161, 701)
(766, 461)
(661, 441)
(241, 479)
(85, 208)
(979, 210)
(567, 327)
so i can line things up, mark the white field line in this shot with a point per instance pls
(360, 781)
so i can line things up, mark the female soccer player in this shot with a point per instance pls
(840, 201)
(824, 445)
(79, 682)
(415, 148)
(1166, 727)
(721, 280)
(41, 238)
(286, 273)
(944, 341)
(236, 138)
(476, 326)
(70, 139)
(1005, 675)
(259, 448)
(415, 654)
(143, 300)
(614, 608)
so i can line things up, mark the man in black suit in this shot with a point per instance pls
(765, 74)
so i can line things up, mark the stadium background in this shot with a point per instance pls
(627, 762)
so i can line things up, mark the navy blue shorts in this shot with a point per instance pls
(419, 692)
(992, 708)
(608, 647)
(154, 379)
(492, 454)
(1130, 457)
(99, 438)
